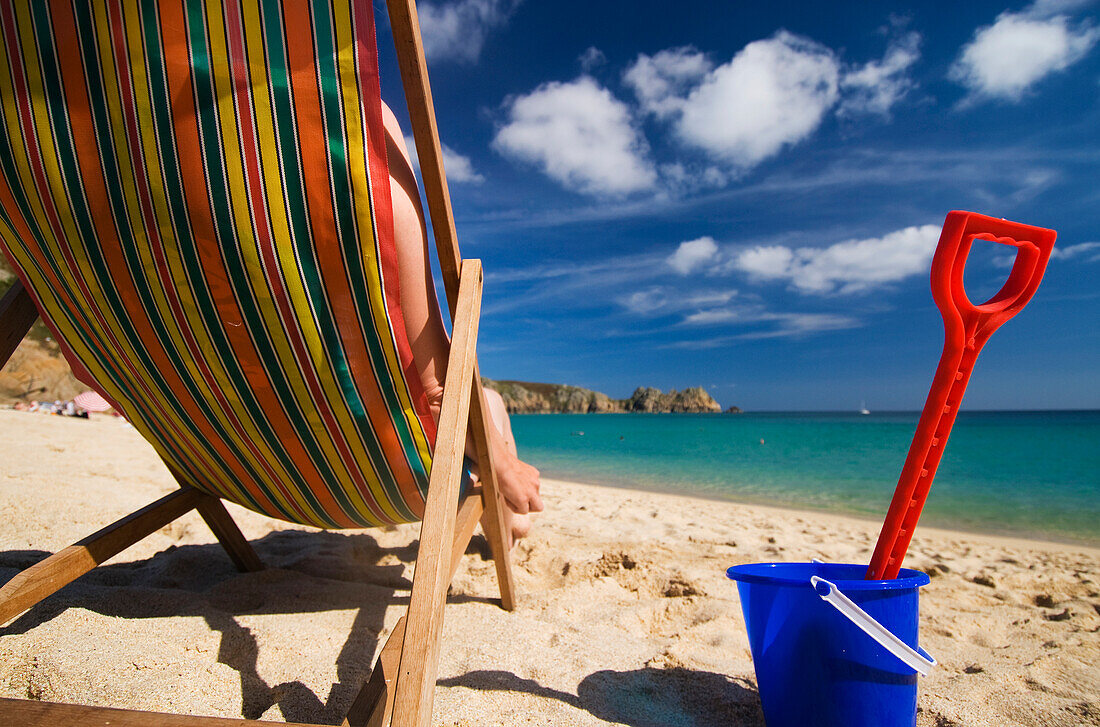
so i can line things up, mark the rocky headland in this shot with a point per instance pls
(525, 397)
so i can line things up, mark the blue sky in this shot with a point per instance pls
(746, 196)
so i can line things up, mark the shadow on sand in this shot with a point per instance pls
(648, 697)
(305, 572)
(321, 571)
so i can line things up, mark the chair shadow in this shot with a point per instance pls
(308, 571)
(647, 697)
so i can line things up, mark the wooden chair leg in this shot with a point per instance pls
(373, 706)
(415, 690)
(228, 534)
(58, 570)
(469, 513)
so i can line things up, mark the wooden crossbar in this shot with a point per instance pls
(65, 566)
(415, 690)
(30, 713)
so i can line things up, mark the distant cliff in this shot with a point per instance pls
(523, 397)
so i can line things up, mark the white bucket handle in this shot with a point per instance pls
(919, 661)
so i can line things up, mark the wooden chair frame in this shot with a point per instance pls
(401, 686)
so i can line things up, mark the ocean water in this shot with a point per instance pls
(1031, 474)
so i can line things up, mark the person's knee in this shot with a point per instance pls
(390, 123)
(495, 400)
(498, 411)
(434, 391)
(396, 136)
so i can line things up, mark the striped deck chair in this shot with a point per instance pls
(195, 197)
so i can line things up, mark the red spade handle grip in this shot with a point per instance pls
(967, 327)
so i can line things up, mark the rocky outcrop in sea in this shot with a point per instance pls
(524, 397)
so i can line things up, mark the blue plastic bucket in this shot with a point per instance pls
(814, 666)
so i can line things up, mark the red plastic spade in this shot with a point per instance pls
(967, 328)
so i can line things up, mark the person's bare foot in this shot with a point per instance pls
(521, 526)
(519, 484)
(515, 525)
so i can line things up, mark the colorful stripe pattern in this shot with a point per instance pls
(196, 194)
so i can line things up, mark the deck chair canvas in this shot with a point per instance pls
(195, 197)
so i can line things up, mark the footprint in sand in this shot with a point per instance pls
(679, 587)
(984, 579)
(176, 531)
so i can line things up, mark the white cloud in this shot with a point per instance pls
(773, 93)
(1090, 250)
(799, 324)
(761, 323)
(666, 300)
(457, 30)
(766, 261)
(693, 254)
(459, 168)
(713, 297)
(645, 301)
(876, 86)
(580, 135)
(1086, 252)
(662, 81)
(710, 317)
(1007, 58)
(701, 308)
(1046, 8)
(677, 177)
(845, 267)
(591, 58)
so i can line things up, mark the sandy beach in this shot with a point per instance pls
(625, 617)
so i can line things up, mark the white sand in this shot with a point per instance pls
(626, 616)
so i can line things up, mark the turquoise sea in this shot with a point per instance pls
(1031, 474)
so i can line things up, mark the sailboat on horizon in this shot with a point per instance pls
(863, 408)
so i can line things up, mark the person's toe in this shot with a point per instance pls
(521, 526)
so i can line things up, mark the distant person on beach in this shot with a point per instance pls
(519, 481)
(58, 408)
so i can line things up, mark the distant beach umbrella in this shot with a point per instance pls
(91, 401)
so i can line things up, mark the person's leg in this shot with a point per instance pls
(419, 305)
(503, 422)
(519, 481)
(520, 525)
